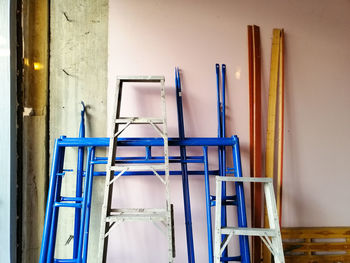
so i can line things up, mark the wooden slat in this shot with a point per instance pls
(309, 245)
(254, 62)
(318, 259)
(315, 232)
(271, 121)
(280, 129)
(316, 246)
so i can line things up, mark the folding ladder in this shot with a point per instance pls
(270, 236)
(111, 217)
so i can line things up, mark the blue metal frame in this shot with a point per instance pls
(148, 143)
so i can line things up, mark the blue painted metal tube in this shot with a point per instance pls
(208, 205)
(241, 209)
(185, 185)
(88, 208)
(223, 151)
(59, 204)
(76, 199)
(138, 173)
(53, 230)
(79, 182)
(161, 158)
(49, 203)
(145, 160)
(217, 68)
(104, 142)
(84, 205)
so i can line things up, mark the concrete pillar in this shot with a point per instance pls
(78, 72)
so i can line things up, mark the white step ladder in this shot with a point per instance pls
(270, 236)
(112, 217)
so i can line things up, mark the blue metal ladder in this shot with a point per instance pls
(81, 202)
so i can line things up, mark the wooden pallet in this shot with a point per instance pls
(316, 244)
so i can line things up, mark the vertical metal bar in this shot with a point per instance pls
(223, 152)
(53, 230)
(107, 200)
(49, 204)
(88, 206)
(79, 182)
(84, 204)
(217, 244)
(241, 209)
(148, 150)
(208, 205)
(185, 184)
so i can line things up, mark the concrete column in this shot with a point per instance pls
(78, 72)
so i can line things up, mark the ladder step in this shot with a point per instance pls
(65, 260)
(139, 120)
(242, 231)
(141, 78)
(142, 167)
(74, 205)
(137, 214)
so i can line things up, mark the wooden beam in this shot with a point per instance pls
(254, 63)
(271, 120)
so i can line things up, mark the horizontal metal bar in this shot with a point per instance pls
(66, 260)
(137, 173)
(141, 78)
(139, 120)
(244, 179)
(225, 259)
(73, 199)
(152, 159)
(243, 231)
(104, 142)
(74, 205)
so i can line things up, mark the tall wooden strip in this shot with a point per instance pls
(254, 62)
(280, 129)
(271, 120)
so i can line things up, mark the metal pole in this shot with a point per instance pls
(241, 209)
(53, 230)
(88, 206)
(79, 182)
(208, 204)
(185, 185)
(50, 202)
(84, 204)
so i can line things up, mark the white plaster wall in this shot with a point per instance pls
(151, 37)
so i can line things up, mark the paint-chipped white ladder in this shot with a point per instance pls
(112, 217)
(270, 236)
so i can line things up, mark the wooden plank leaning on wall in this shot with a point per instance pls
(276, 96)
(254, 64)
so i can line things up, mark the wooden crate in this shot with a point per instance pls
(316, 244)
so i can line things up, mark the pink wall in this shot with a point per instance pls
(151, 37)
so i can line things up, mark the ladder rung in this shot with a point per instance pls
(143, 167)
(243, 231)
(139, 120)
(65, 260)
(74, 205)
(244, 179)
(137, 214)
(141, 78)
